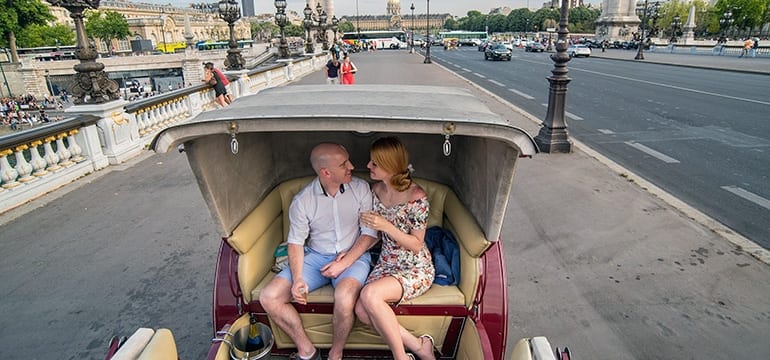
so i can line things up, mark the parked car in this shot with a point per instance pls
(497, 52)
(578, 50)
(534, 46)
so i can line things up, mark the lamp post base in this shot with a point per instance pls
(553, 140)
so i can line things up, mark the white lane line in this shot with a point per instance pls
(517, 92)
(573, 116)
(569, 114)
(458, 66)
(750, 196)
(605, 131)
(654, 153)
(479, 75)
(497, 83)
(673, 87)
(466, 69)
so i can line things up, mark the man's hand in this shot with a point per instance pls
(299, 291)
(336, 267)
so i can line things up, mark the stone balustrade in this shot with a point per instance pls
(92, 137)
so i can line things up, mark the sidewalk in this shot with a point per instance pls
(724, 62)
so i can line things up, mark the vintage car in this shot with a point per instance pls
(252, 157)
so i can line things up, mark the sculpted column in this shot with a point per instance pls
(617, 20)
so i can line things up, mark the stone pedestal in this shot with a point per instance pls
(118, 137)
(617, 21)
(239, 87)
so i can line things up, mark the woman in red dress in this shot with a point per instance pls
(348, 69)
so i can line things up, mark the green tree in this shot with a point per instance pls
(106, 26)
(263, 30)
(17, 15)
(346, 26)
(582, 19)
(747, 15)
(294, 30)
(519, 19)
(43, 35)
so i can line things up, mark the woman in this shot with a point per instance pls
(220, 90)
(348, 69)
(405, 269)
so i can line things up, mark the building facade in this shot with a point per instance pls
(163, 23)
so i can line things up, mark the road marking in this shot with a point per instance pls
(673, 86)
(466, 69)
(605, 131)
(654, 153)
(765, 203)
(497, 83)
(458, 66)
(517, 92)
(569, 114)
(479, 75)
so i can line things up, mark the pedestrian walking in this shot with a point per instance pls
(333, 71)
(747, 45)
(348, 70)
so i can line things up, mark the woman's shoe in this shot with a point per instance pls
(424, 337)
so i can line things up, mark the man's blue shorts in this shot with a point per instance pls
(314, 261)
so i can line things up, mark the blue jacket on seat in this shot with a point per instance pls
(446, 255)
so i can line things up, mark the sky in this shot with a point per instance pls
(377, 7)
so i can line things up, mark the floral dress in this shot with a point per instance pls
(414, 271)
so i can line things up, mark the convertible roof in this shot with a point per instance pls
(276, 129)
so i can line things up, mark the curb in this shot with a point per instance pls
(658, 62)
(685, 209)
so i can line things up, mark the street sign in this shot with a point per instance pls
(550, 29)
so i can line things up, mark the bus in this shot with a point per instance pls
(465, 37)
(395, 39)
(216, 45)
(171, 47)
(48, 53)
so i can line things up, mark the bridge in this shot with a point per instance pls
(598, 259)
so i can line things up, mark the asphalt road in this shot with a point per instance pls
(700, 134)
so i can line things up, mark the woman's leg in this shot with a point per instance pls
(375, 301)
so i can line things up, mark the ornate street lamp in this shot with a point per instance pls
(335, 27)
(644, 14)
(320, 22)
(553, 136)
(676, 25)
(308, 24)
(281, 20)
(90, 84)
(726, 21)
(411, 43)
(427, 38)
(230, 12)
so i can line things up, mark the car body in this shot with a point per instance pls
(578, 50)
(534, 46)
(484, 44)
(508, 45)
(497, 52)
(470, 180)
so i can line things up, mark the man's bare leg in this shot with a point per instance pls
(275, 299)
(345, 296)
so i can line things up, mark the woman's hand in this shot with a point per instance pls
(374, 221)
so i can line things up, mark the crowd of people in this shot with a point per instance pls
(334, 222)
(27, 110)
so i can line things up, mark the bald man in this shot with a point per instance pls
(326, 245)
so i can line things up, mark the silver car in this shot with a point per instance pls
(577, 50)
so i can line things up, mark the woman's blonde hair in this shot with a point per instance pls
(390, 154)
